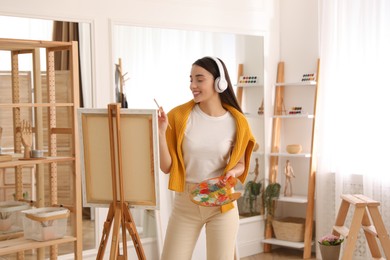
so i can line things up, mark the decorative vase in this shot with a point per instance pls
(330, 252)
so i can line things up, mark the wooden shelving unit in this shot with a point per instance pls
(248, 96)
(51, 105)
(280, 117)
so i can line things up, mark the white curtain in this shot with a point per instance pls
(158, 62)
(354, 127)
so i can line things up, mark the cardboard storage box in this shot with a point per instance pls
(43, 224)
(10, 219)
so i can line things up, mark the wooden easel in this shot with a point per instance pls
(366, 216)
(118, 213)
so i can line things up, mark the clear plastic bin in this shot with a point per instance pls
(10, 217)
(43, 224)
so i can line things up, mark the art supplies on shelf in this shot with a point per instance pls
(295, 111)
(309, 77)
(249, 81)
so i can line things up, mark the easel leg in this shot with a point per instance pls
(133, 233)
(115, 233)
(124, 238)
(106, 232)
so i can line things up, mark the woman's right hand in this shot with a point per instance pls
(162, 120)
(165, 157)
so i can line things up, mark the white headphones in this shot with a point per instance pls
(220, 83)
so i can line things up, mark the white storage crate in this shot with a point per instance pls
(43, 224)
(10, 217)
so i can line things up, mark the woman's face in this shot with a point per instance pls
(202, 84)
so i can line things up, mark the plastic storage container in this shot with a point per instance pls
(43, 224)
(10, 217)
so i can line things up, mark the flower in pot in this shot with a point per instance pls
(330, 246)
(330, 240)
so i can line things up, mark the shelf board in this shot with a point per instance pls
(17, 162)
(302, 83)
(285, 154)
(16, 44)
(294, 116)
(16, 105)
(293, 199)
(14, 232)
(257, 218)
(258, 153)
(253, 115)
(21, 244)
(248, 86)
(279, 242)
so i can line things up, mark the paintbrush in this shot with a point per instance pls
(155, 101)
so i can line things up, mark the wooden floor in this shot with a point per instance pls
(88, 237)
(278, 254)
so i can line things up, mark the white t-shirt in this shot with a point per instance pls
(207, 144)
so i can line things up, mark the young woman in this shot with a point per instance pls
(204, 138)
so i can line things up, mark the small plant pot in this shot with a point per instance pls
(330, 252)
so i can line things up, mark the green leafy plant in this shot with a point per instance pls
(252, 190)
(272, 192)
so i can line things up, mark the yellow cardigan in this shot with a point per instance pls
(244, 143)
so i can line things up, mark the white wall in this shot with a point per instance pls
(299, 49)
(299, 40)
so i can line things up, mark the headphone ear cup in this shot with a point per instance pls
(220, 85)
(216, 85)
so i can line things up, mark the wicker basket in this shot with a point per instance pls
(289, 229)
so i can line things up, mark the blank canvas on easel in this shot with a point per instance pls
(139, 157)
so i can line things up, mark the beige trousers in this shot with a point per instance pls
(186, 222)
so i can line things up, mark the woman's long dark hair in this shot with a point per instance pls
(228, 96)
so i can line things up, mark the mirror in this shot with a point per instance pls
(156, 63)
(42, 29)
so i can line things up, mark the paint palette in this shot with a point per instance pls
(213, 192)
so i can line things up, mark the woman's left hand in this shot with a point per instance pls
(225, 178)
(228, 175)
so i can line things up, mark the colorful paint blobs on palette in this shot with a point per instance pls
(212, 192)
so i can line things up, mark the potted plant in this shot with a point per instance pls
(252, 191)
(330, 246)
(270, 194)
